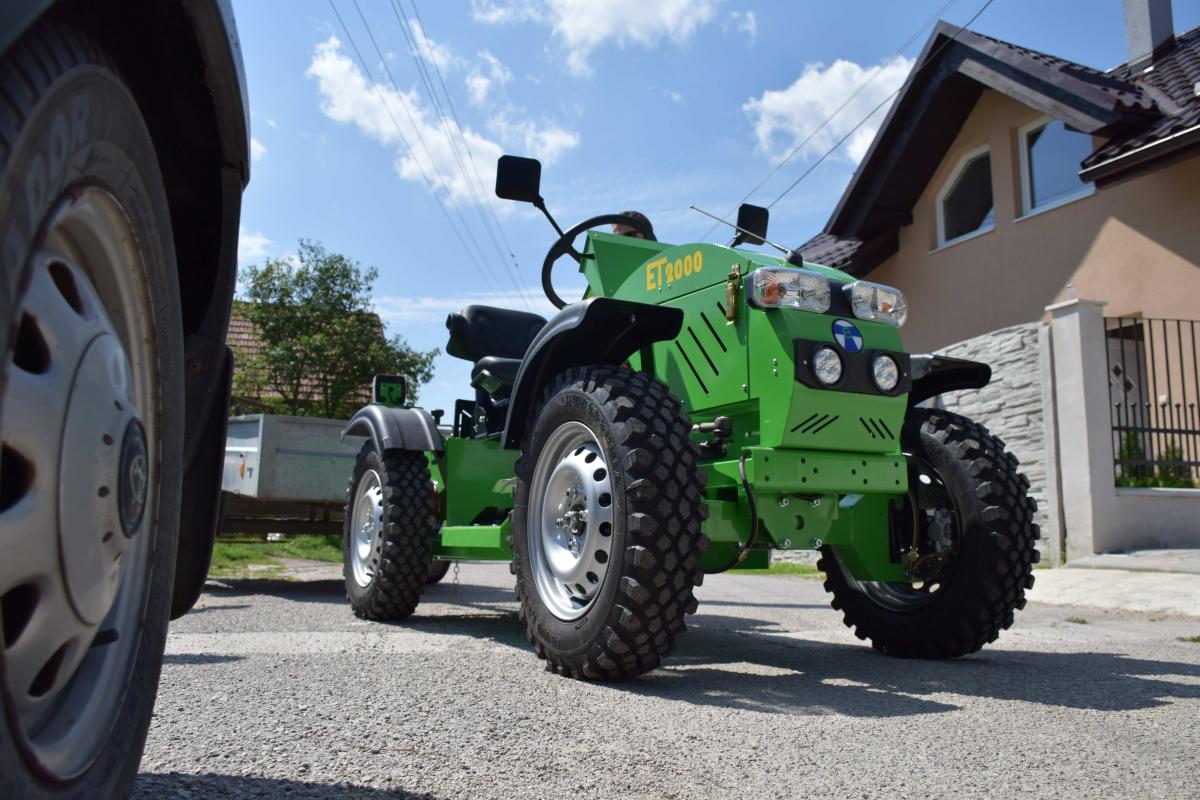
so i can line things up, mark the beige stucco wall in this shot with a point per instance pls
(1135, 245)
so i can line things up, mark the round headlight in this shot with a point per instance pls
(827, 365)
(886, 372)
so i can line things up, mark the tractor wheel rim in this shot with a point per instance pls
(932, 496)
(366, 547)
(571, 521)
(79, 426)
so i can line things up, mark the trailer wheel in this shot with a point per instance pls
(437, 571)
(606, 520)
(388, 533)
(972, 500)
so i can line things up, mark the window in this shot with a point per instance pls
(1050, 159)
(965, 204)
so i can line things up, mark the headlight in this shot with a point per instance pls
(886, 372)
(780, 287)
(827, 365)
(877, 302)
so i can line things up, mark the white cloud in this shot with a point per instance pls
(346, 96)
(547, 143)
(252, 247)
(439, 54)
(257, 149)
(272, 123)
(784, 118)
(583, 26)
(744, 21)
(674, 96)
(480, 85)
(403, 310)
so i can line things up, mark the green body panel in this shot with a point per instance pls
(824, 465)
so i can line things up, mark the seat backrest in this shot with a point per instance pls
(479, 331)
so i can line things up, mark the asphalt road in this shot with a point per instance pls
(274, 689)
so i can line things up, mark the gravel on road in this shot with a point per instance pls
(275, 689)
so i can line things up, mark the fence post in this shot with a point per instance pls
(1084, 425)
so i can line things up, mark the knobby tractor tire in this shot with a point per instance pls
(657, 510)
(986, 579)
(400, 559)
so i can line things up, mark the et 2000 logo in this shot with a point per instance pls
(664, 272)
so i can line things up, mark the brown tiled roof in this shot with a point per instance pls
(1173, 83)
(830, 251)
(244, 339)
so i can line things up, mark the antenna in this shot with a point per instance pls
(792, 256)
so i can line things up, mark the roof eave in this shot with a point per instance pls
(1145, 156)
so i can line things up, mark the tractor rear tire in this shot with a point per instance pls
(606, 520)
(388, 534)
(437, 570)
(985, 580)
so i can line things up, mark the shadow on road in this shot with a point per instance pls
(733, 666)
(739, 662)
(153, 786)
(196, 659)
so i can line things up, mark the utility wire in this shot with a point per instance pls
(428, 152)
(870, 79)
(474, 185)
(466, 144)
(880, 105)
(490, 281)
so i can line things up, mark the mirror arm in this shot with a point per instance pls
(540, 205)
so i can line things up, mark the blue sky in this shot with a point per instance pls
(647, 104)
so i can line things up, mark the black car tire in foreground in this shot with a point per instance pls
(91, 419)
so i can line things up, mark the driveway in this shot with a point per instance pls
(273, 688)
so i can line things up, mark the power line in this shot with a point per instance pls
(490, 281)
(428, 152)
(474, 186)
(881, 104)
(466, 144)
(870, 79)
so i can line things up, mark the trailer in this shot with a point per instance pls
(285, 474)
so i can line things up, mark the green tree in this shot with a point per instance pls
(320, 340)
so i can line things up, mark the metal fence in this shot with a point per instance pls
(1154, 384)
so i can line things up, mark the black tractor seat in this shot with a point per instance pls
(480, 331)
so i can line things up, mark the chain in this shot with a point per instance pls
(456, 573)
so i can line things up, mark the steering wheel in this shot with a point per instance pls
(566, 246)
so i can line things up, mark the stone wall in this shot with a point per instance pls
(1011, 406)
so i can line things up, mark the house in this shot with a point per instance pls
(244, 340)
(1004, 180)
(1043, 216)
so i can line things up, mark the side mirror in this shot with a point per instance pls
(753, 221)
(519, 179)
(390, 390)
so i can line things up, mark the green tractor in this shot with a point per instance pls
(701, 406)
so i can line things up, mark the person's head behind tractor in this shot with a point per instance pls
(629, 230)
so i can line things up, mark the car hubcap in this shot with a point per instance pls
(571, 520)
(79, 466)
(367, 518)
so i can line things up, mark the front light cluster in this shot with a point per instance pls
(877, 302)
(885, 372)
(780, 287)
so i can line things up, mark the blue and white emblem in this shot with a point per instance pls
(847, 335)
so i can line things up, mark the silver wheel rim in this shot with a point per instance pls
(80, 499)
(366, 546)
(570, 521)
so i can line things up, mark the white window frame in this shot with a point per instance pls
(1027, 208)
(965, 159)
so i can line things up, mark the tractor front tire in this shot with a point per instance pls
(606, 523)
(388, 534)
(984, 581)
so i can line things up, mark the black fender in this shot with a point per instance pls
(933, 375)
(396, 429)
(599, 330)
